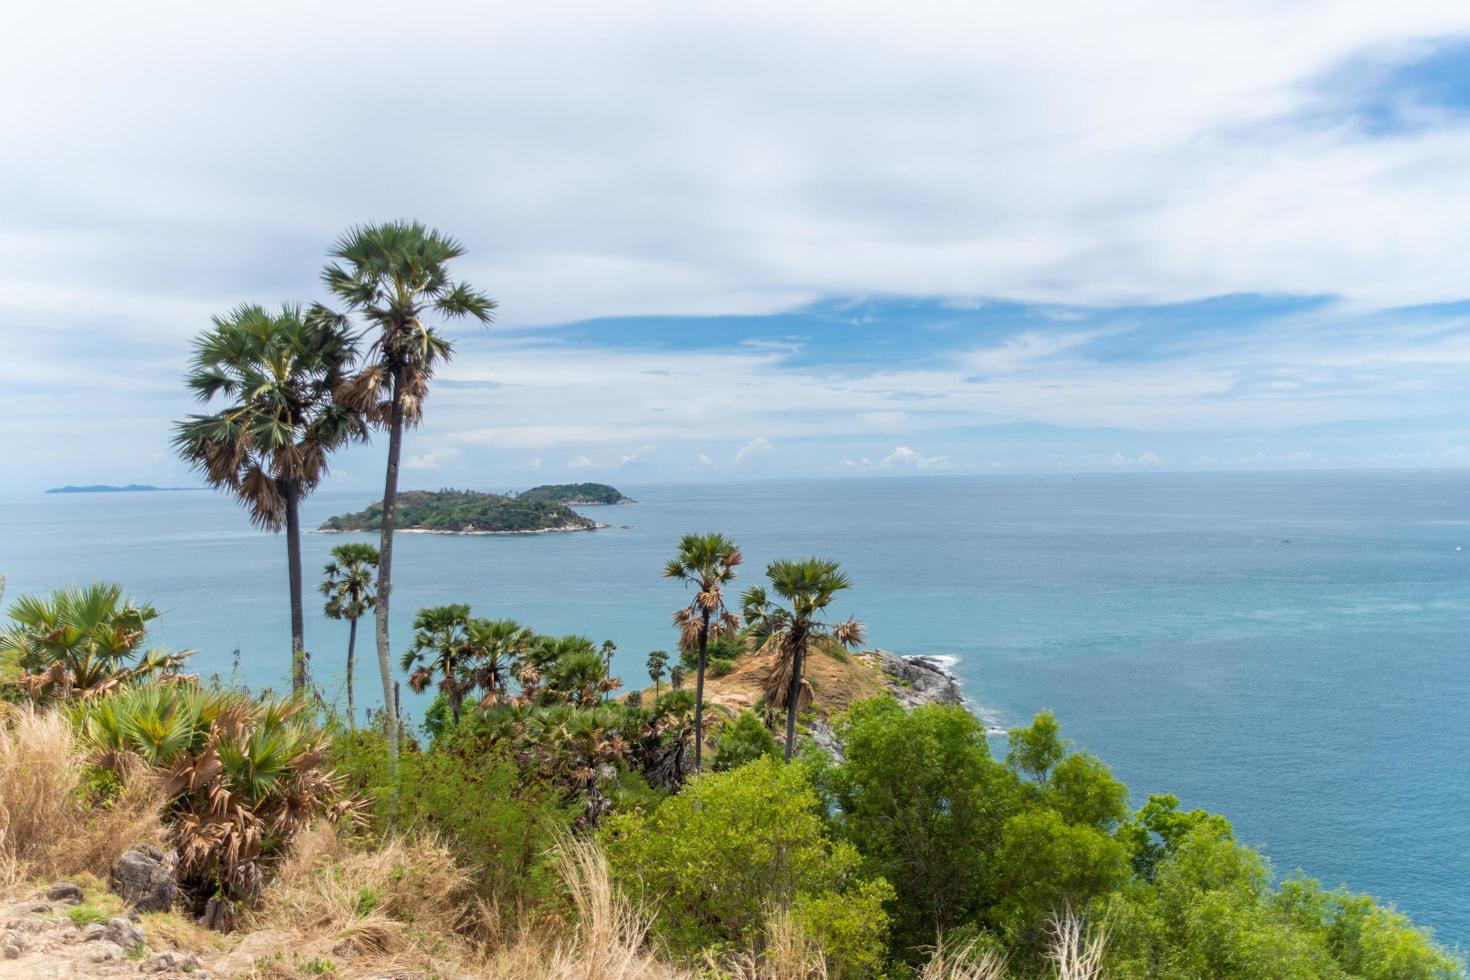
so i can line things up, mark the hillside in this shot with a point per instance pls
(466, 512)
(577, 494)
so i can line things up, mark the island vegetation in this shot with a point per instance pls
(539, 825)
(577, 494)
(466, 512)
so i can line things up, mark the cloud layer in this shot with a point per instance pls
(1062, 181)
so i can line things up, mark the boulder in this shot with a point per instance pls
(65, 891)
(144, 877)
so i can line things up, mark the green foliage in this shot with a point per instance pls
(719, 857)
(463, 510)
(745, 740)
(82, 641)
(575, 493)
(85, 915)
(1035, 750)
(242, 775)
(1082, 789)
(719, 666)
(922, 800)
(495, 815)
(1045, 865)
(1154, 832)
(850, 926)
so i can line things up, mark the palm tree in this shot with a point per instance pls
(495, 647)
(608, 649)
(808, 586)
(82, 642)
(676, 677)
(707, 562)
(657, 661)
(393, 275)
(579, 678)
(269, 444)
(441, 648)
(348, 586)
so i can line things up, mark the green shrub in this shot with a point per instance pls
(719, 667)
(719, 858)
(745, 740)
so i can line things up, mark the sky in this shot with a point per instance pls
(756, 240)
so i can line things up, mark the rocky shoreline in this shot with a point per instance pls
(914, 681)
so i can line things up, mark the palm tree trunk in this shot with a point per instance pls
(351, 651)
(385, 569)
(292, 492)
(792, 697)
(699, 695)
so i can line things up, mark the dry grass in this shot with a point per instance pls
(398, 901)
(1076, 950)
(787, 954)
(965, 962)
(607, 942)
(47, 827)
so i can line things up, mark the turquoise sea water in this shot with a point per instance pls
(1290, 650)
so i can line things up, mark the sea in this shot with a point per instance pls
(1291, 650)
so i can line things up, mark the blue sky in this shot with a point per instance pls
(735, 242)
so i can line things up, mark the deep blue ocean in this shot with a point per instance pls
(1291, 650)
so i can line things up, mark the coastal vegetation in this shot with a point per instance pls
(577, 494)
(535, 824)
(465, 512)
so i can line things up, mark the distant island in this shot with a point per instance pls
(130, 488)
(577, 494)
(468, 512)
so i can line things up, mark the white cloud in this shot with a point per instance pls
(759, 446)
(534, 463)
(903, 457)
(704, 460)
(1146, 458)
(642, 452)
(581, 463)
(432, 460)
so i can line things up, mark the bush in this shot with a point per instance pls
(469, 790)
(719, 667)
(745, 740)
(733, 848)
(242, 777)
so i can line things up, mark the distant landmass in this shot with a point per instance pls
(468, 512)
(130, 488)
(577, 494)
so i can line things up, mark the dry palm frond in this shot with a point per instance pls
(1076, 949)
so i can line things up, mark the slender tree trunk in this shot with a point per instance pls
(792, 697)
(699, 695)
(351, 652)
(385, 569)
(292, 491)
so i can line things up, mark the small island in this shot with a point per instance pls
(467, 512)
(130, 488)
(577, 494)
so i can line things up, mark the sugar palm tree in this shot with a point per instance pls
(707, 562)
(81, 642)
(658, 660)
(276, 373)
(394, 276)
(676, 677)
(608, 649)
(789, 632)
(348, 586)
(441, 649)
(495, 648)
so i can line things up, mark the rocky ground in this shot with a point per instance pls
(55, 933)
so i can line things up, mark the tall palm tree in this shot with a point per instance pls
(441, 648)
(657, 661)
(348, 586)
(608, 649)
(393, 276)
(676, 677)
(495, 648)
(276, 373)
(707, 562)
(808, 586)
